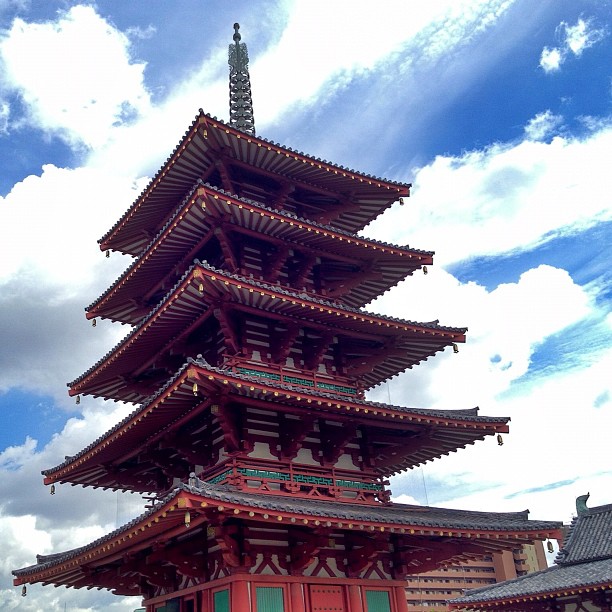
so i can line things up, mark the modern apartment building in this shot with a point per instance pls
(430, 591)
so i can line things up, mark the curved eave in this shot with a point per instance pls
(186, 305)
(177, 402)
(166, 521)
(206, 207)
(202, 144)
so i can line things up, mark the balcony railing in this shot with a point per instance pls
(337, 385)
(277, 479)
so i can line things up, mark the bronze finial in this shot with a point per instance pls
(241, 103)
(581, 507)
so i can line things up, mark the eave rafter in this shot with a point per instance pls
(198, 385)
(227, 248)
(232, 340)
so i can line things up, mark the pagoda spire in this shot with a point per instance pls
(241, 104)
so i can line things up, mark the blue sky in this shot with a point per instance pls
(498, 111)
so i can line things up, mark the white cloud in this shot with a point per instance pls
(582, 35)
(574, 40)
(505, 326)
(503, 198)
(5, 111)
(542, 125)
(75, 75)
(551, 59)
(431, 29)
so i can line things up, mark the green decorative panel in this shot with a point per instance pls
(339, 388)
(219, 477)
(364, 486)
(269, 599)
(378, 601)
(263, 474)
(221, 601)
(259, 373)
(298, 381)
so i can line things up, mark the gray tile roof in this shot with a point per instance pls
(551, 580)
(589, 537)
(584, 560)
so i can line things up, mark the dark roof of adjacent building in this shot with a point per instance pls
(585, 560)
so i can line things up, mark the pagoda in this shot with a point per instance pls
(248, 359)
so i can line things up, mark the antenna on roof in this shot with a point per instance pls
(241, 104)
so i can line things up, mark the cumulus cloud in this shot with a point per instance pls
(542, 125)
(505, 326)
(574, 40)
(551, 59)
(32, 522)
(431, 30)
(503, 198)
(5, 111)
(75, 75)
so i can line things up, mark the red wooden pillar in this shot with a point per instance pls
(240, 596)
(354, 598)
(401, 603)
(297, 597)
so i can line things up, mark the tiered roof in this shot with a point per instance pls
(206, 210)
(476, 532)
(402, 343)
(176, 404)
(209, 141)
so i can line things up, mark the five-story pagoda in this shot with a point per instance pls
(248, 359)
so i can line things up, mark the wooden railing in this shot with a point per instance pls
(337, 385)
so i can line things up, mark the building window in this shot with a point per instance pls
(377, 601)
(221, 601)
(269, 599)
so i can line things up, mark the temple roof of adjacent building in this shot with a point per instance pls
(185, 304)
(209, 137)
(584, 562)
(489, 530)
(175, 402)
(202, 209)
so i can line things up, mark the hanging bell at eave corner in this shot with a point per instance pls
(52, 491)
(24, 590)
(187, 519)
(195, 388)
(549, 546)
(500, 440)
